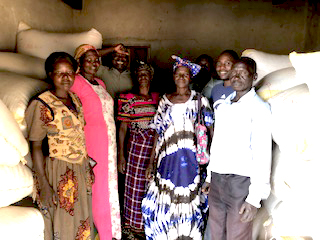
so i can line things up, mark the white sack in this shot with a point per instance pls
(16, 91)
(18, 223)
(22, 64)
(307, 66)
(41, 43)
(276, 82)
(267, 62)
(15, 184)
(13, 145)
(293, 121)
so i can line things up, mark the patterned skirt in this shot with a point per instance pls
(72, 218)
(172, 206)
(139, 149)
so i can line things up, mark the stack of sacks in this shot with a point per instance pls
(22, 77)
(291, 93)
(16, 182)
(295, 128)
(41, 44)
(275, 73)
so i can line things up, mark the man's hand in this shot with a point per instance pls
(248, 212)
(120, 49)
(205, 188)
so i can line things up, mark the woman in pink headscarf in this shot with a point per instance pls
(100, 133)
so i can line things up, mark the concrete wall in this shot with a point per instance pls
(49, 15)
(191, 28)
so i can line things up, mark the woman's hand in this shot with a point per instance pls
(48, 197)
(122, 165)
(205, 188)
(120, 49)
(150, 172)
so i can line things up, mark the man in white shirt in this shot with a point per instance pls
(240, 161)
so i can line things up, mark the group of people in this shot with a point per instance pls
(97, 122)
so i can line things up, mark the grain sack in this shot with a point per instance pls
(13, 145)
(22, 64)
(41, 43)
(266, 62)
(293, 122)
(276, 82)
(15, 183)
(294, 186)
(21, 223)
(16, 91)
(306, 66)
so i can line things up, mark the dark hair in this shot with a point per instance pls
(207, 57)
(57, 56)
(250, 63)
(232, 53)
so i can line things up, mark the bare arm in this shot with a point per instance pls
(122, 135)
(119, 48)
(47, 196)
(151, 167)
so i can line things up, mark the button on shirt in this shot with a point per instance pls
(242, 143)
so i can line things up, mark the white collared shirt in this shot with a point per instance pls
(242, 143)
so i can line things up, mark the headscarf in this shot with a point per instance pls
(144, 66)
(179, 62)
(82, 49)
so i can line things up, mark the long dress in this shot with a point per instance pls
(138, 113)
(67, 168)
(172, 206)
(100, 135)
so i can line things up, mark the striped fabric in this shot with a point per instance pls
(137, 112)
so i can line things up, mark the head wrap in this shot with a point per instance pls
(179, 62)
(82, 49)
(145, 66)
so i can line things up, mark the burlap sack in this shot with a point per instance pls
(13, 145)
(16, 91)
(41, 44)
(292, 121)
(276, 82)
(267, 62)
(21, 223)
(22, 64)
(15, 184)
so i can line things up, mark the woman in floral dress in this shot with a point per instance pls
(64, 179)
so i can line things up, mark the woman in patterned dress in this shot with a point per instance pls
(135, 112)
(64, 179)
(100, 135)
(171, 207)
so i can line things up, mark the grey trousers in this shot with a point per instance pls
(227, 193)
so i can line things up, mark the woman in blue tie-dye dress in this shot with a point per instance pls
(172, 208)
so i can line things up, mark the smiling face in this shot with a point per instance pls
(241, 77)
(144, 78)
(62, 76)
(90, 63)
(182, 77)
(120, 62)
(224, 65)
